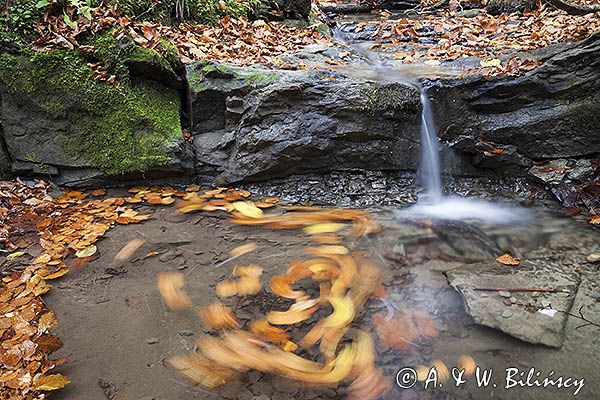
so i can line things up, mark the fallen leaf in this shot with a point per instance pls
(14, 255)
(99, 192)
(248, 209)
(86, 251)
(243, 249)
(51, 382)
(129, 250)
(324, 228)
(507, 259)
(218, 316)
(468, 364)
(490, 62)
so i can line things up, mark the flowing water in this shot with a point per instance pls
(432, 202)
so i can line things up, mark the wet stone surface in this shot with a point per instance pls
(372, 188)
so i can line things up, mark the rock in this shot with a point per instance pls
(56, 119)
(582, 170)
(535, 328)
(593, 257)
(546, 113)
(186, 332)
(551, 172)
(595, 295)
(153, 340)
(504, 293)
(251, 123)
(469, 13)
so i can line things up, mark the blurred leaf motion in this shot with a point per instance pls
(170, 285)
(345, 280)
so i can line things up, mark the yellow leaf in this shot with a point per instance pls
(490, 62)
(170, 285)
(324, 228)
(248, 209)
(191, 208)
(51, 382)
(468, 364)
(432, 63)
(14, 255)
(86, 251)
(243, 249)
(129, 250)
(56, 274)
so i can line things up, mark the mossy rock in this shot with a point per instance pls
(53, 109)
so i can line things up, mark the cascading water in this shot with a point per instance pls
(432, 203)
(430, 156)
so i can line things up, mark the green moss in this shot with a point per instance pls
(38, 165)
(383, 98)
(204, 11)
(115, 54)
(260, 78)
(119, 129)
(584, 116)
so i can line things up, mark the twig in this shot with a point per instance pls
(546, 290)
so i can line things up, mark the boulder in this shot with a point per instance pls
(253, 124)
(58, 120)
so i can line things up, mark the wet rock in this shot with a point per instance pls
(251, 123)
(552, 172)
(582, 170)
(531, 327)
(545, 113)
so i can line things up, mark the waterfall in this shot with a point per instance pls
(432, 204)
(430, 156)
(429, 167)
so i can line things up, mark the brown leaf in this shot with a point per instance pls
(507, 259)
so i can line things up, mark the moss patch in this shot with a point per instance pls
(119, 129)
(204, 11)
(389, 98)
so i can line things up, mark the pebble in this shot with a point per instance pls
(593, 258)
(595, 295)
(504, 293)
(507, 313)
(186, 332)
(153, 340)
